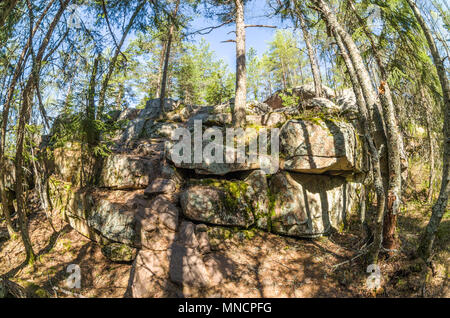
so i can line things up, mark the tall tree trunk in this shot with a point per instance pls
(112, 64)
(7, 105)
(390, 241)
(41, 181)
(428, 114)
(312, 55)
(160, 70)
(119, 97)
(92, 135)
(167, 58)
(371, 101)
(440, 206)
(6, 203)
(24, 117)
(362, 107)
(241, 68)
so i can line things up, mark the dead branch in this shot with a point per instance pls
(209, 29)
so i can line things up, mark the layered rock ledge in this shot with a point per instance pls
(169, 218)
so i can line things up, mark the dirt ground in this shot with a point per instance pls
(260, 265)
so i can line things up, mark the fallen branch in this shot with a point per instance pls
(68, 292)
(348, 261)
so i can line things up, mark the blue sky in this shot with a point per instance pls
(255, 13)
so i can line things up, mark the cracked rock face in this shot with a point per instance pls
(171, 220)
(319, 146)
(308, 205)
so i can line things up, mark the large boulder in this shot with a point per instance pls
(115, 221)
(318, 146)
(308, 205)
(219, 202)
(300, 94)
(137, 124)
(225, 202)
(74, 205)
(123, 171)
(311, 145)
(68, 162)
(217, 163)
(322, 104)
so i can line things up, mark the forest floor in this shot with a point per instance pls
(266, 265)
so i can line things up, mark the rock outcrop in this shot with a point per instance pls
(165, 216)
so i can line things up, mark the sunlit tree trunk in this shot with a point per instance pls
(24, 117)
(362, 107)
(167, 57)
(112, 64)
(6, 108)
(241, 69)
(440, 206)
(371, 102)
(390, 241)
(312, 55)
(160, 70)
(428, 115)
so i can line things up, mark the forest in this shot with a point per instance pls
(95, 94)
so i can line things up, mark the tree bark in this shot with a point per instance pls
(112, 64)
(428, 114)
(315, 70)
(89, 127)
(160, 70)
(370, 98)
(390, 241)
(362, 107)
(240, 102)
(5, 115)
(167, 58)
(440, 206)
(24, 117)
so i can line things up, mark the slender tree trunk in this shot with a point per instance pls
(312, 56)
(7, 105)
(428, 115)
(6, 207)
(41, 180)
(390, 241)
(362, 107)
(160, 70)
(24, 117)
(371, 101)
(112, 64)
(431, 156)
(241, 69)
(167, 58)
(20, 195)
(119, 97)
(440, 206)
(91, 133)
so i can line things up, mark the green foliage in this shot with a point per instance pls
(289, 100)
